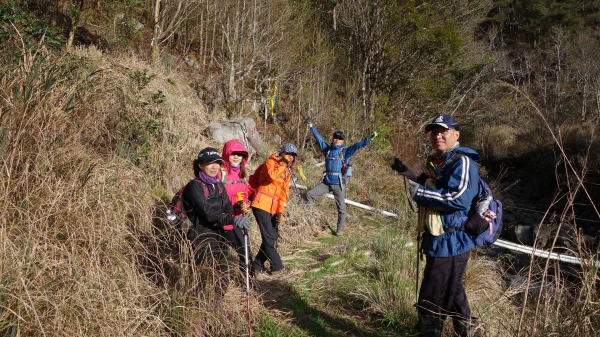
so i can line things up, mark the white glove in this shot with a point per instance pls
(414, 187)
(483, 205)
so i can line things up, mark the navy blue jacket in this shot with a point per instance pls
(452, 197)
(333, 164)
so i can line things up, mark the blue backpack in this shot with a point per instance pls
(484, 233)
(494, 228)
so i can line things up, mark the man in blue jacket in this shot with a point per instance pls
(334, 180)
(444, 194)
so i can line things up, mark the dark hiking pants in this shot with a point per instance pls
(268, 233)
(442, 292)
(235, 238)
(210, 250)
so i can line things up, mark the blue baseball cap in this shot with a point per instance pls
(289, 148)
(443, 120)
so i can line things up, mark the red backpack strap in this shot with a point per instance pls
(205, 188)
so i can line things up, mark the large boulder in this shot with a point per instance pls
(526, 234)
(521, 234)
(243, 130)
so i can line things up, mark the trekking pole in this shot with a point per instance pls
(418, 259)
(247, 280)
(301, 201)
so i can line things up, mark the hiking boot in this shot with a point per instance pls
(339, 232)
(430, 331)
(282, 271)
(257, 270)
(466, 328)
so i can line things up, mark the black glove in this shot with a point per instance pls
(279, 219)
(309, 121)
(242, 223)
(398, 166)
(242, 206)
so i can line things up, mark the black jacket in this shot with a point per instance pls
(212, 212)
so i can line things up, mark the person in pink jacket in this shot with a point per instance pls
(233, 175)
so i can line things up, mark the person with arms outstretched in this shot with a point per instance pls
(334, 178)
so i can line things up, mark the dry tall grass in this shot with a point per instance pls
(85, 150)
(91, 148)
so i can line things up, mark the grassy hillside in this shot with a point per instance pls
(92, 147)
(95, 140)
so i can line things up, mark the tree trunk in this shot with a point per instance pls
(156, 33)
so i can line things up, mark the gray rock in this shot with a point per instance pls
(589, 241)
(521, 234)
(243, 130)
(508, 217)
(542, 233)
(567, 237)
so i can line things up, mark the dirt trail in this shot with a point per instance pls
(314, 296)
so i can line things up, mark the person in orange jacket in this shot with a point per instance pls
(269, 205)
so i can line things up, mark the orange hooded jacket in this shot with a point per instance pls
(273, 193)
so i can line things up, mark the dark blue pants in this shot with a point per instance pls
(268, 233)
(442, 292)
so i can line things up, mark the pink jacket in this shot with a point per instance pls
(230, 176)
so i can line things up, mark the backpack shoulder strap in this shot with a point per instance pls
(341, 154)
(223, 174)
(205, 187)
(454, 158)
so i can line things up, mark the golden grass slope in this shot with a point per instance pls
(78, 185)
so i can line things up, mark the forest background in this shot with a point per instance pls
(104, 104)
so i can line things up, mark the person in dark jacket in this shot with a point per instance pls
(334, 180)
(208, 207)
(444, 194)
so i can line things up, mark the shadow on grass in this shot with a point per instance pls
(280, 295)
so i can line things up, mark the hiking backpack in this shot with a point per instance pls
(484, 233)
(254, 182)
(493, 229)
(176, 211)
(346, 166)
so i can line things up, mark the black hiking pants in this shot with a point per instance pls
(210, 250)
(235, 238)
(268, 233)
(442, 292)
